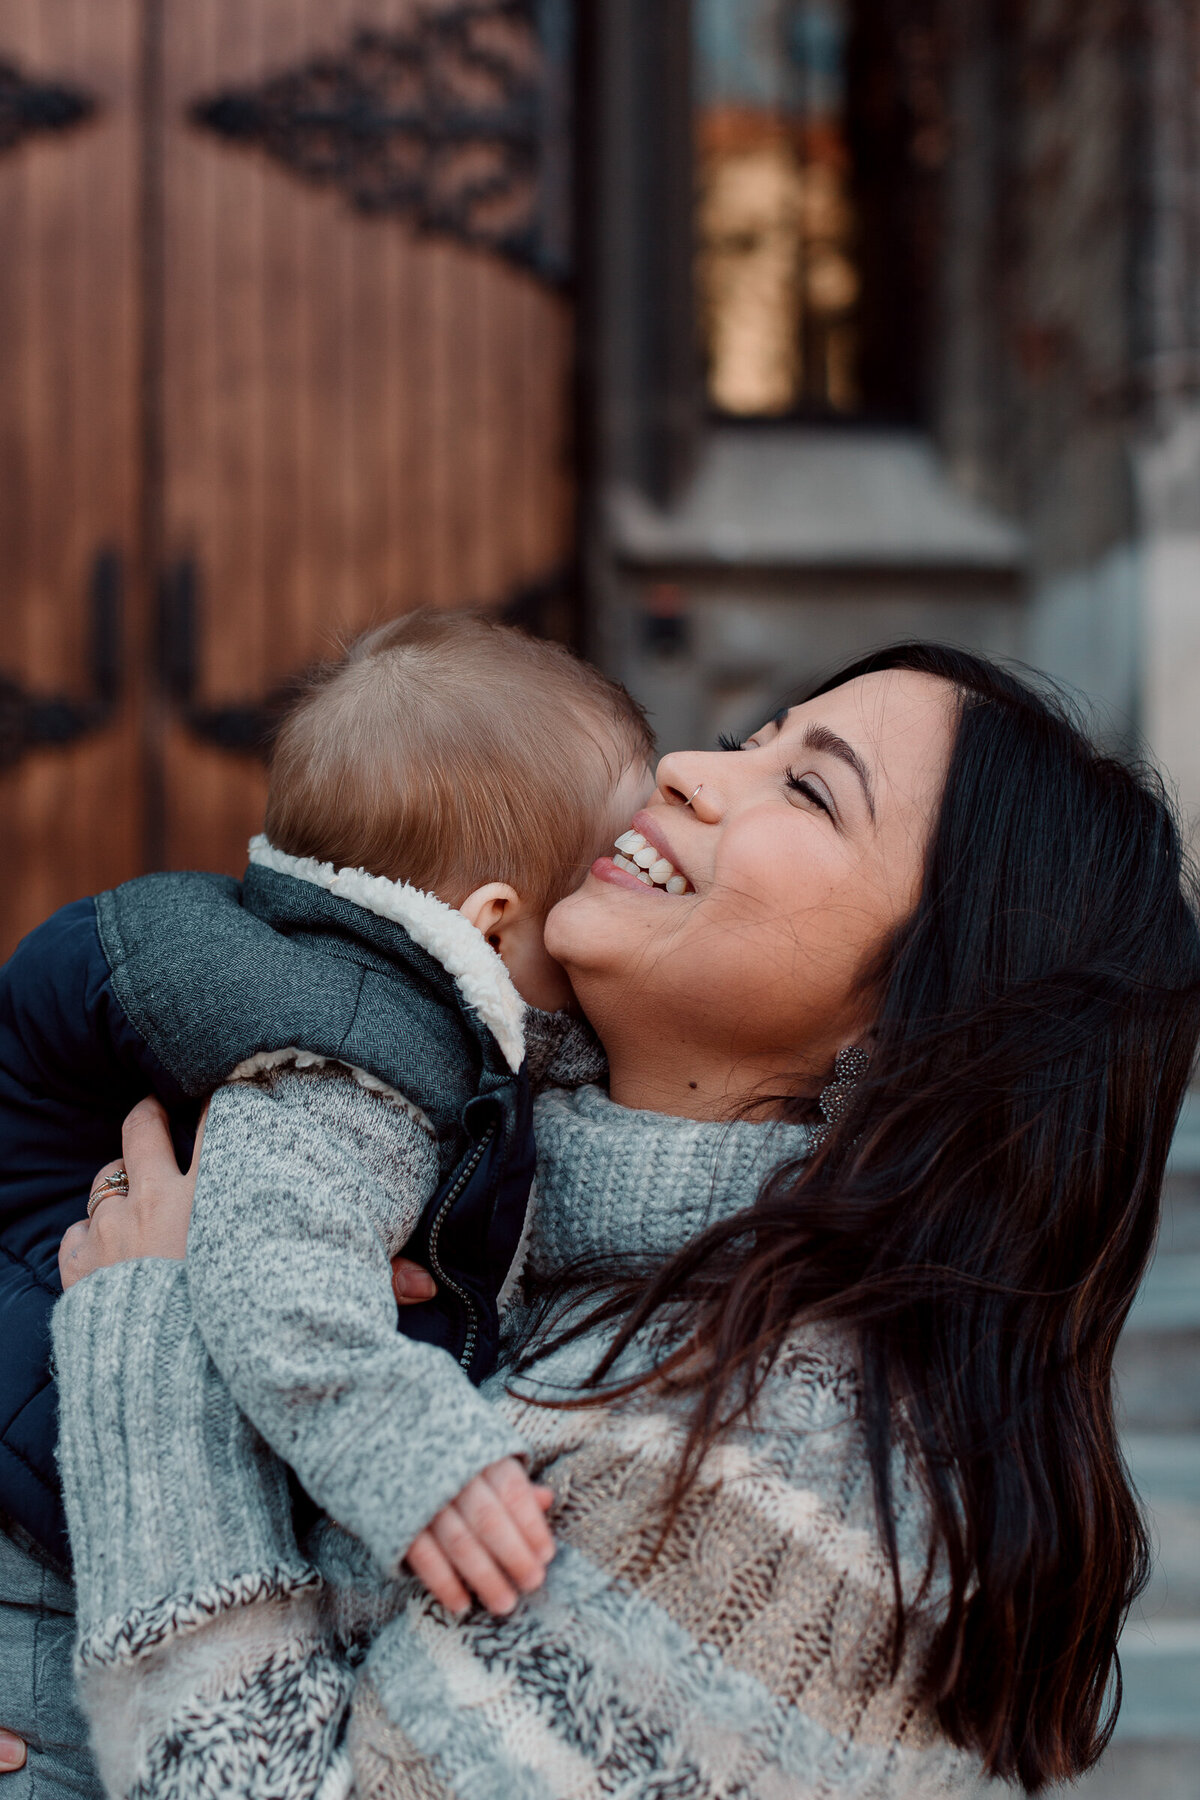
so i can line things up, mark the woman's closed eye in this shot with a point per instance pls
(811, 789)
(807, 785)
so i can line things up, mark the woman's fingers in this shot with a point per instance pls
(12, 1752)
(73, 1259)
(202, 1121)
(146, 1141)
(110, 1168)
(151, 1219)
(429, 1565)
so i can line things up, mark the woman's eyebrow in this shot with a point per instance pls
(819, 737)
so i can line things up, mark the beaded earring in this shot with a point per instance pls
(850, 1065)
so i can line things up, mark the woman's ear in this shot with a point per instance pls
(490, 908)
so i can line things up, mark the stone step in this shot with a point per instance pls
(1133, 1771)
(1165, 1465)
(1158, 1359)
(1185, 1151)
(1160, 1665)
(1181, 1213)
(1166, 1472)
(1170, 1295)
(1155, 1750)
(1155, 1753)
(1158, 1381)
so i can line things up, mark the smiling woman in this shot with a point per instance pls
(800, 856)
(876, 866)
(826, 1415)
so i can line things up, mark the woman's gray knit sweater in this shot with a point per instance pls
(749, 1657)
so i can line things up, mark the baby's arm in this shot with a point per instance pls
(308, 1184)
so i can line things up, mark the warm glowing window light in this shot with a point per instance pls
(777, 273)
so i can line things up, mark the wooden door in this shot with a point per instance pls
(344, 388)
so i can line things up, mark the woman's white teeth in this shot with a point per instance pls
(637, 857)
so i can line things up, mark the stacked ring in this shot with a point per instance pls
(116, 1183)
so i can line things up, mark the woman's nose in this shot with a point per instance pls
(683, 781)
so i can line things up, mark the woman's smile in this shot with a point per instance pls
(643, 858)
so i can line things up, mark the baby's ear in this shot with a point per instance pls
(491, 907)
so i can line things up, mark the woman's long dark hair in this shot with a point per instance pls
(984, 1213)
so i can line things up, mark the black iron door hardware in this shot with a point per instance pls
(31, 106)
(38, 721)
(456, 121)
(245, 729)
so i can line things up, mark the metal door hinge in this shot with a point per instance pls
(29, 106)
(246, 728)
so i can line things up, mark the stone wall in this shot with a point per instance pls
(1070, 355)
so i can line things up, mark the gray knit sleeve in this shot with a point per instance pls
(203, 1663)
(308, 1184)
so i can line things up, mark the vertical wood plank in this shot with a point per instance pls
(69, 466)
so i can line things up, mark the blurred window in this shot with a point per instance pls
(795, 179)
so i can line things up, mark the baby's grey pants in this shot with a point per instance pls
(37, 1689)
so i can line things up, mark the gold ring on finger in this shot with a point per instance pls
(116, 1183)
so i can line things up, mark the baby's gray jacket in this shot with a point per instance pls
(308, 1183)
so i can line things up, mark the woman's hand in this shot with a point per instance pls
(152, 1218)
(12, 1752)
(491, 1539)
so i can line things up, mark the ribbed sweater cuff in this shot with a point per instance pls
(169, 1491)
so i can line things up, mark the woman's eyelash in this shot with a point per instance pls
(801, 785)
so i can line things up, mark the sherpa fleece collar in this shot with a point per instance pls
(479, 974)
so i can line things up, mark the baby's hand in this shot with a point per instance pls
(490, 1541)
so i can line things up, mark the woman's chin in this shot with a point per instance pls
(579, 925)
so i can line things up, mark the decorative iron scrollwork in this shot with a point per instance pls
(456, 121)
(32, 106)
(43, 721)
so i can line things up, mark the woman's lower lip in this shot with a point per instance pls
(605, 869)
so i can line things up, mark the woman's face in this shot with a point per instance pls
(801, 853)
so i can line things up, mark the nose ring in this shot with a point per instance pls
(693, 794)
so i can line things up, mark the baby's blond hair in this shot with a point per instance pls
(448, 751)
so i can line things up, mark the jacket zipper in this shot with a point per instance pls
(435, 1230)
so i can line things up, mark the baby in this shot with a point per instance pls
(370, 1007)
